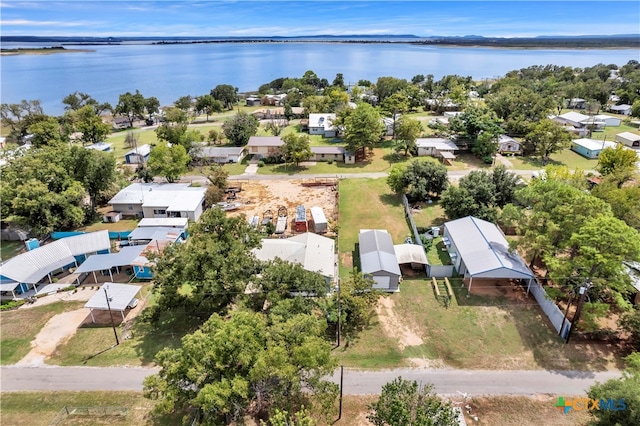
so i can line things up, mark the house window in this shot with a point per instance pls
(321, 155)
(254, 149)
(509, 147)
(130, 206)
(159, 211)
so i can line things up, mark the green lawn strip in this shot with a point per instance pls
(463, 336)
(567, 158)
(121, 225)
(20, 327)
(371, 348)
(609, 133)
(40, 408)
(9, 249)
(429, 215)
(92, 344)
(367, 204)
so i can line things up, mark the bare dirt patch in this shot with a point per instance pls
(57, 330)
(258, 196)
(393, 326)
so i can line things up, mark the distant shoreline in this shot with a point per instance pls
(40, 51)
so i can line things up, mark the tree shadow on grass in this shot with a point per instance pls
(391, 200)
(538, 334)
(289, 169)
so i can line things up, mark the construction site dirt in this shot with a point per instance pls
(259, 196)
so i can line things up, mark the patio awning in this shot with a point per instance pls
(448, 155)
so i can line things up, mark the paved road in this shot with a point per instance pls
(472, 382)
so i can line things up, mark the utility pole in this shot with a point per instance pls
(113, 324)
(564, 319)
(583, 295)
(341, 381)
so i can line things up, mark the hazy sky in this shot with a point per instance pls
(289, 18)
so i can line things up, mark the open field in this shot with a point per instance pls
(567, 158)
(19, 327)
(367, 204)
(502, 328)
(39, 408)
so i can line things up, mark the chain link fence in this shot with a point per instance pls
(66, 413)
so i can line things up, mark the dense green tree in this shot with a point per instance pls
(45, 132)
(90, 124)
(420, 180)
(131, 106)
(626, 389)
(217, 177)
(406, 132)
(624, 201)
(152, 106)
(619, 162)
(519, 107)
(635, 109)
(168, 162)
(387, 86)
(283, 418)
(546, 137)
(405, 403)
(486, 146)
(358, 300)
(207, 104)
(225, 93)
(184, 103)
(630, 323)
(239, 128)
(339, 82)
(173, 115)
(78, 100)
(245, 365)
(363, 128)
(506, 184)
(315, 104)
(96, 170)
(397, 103)
(474, 121)
(208, 272)
(171, 133)
(296, 148)
(18, 117)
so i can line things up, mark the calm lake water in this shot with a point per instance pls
(170, 71)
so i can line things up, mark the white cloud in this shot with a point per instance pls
(30, 23)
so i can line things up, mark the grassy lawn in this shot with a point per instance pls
(609, 133)
(20, 327)
(437, 254)
(429, 215)
(567, 158)
(8, 249)
(40, 408)
(367, 204)
(476, 332)
(91, 345)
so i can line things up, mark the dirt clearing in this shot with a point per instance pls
(258, 197)
(393, 326)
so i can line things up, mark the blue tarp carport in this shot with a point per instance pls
(104, 262)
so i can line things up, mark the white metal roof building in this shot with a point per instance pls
(160, 200)
(629, 139)
(410, 253)
(590, 148)
(105, 262)
(314, 252)
(378, 259)
(120, 297)
(478, 249)
(170, 222)
(31, 267)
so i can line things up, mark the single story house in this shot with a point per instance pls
(624, 109)
(378, 259)
(326, 153)
(577, 120)
(508, 145)
(160, 200)
(265, 146)
(313, 252)
(100, 146)
(629, 139)
(273, 113)
(322, 124)
(120, 298)
(120, 123)
(451, 114)
(139, 155)
(253, 101)
(436, 147)
(272, 100)
(577, 103)
(590, 148)
(479, 249)
(218, 154)
(26, 270)
(608, 120)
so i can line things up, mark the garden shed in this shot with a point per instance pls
(378, 259)
(319, 220)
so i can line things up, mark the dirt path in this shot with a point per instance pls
(393, 326)
(57, 330)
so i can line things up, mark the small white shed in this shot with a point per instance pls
(319, 220)
(628, 139)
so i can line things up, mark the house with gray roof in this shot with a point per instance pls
(479, 250)
(322, 124)
(265, 146)
(378, 259)
(160, 200)
(217, 154)
(326, 153)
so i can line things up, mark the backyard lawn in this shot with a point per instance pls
(567, 158)
(367, 204)
(20, 326)
(9, 249)
(476, 332)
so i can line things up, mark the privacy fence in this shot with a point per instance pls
(552, 311)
